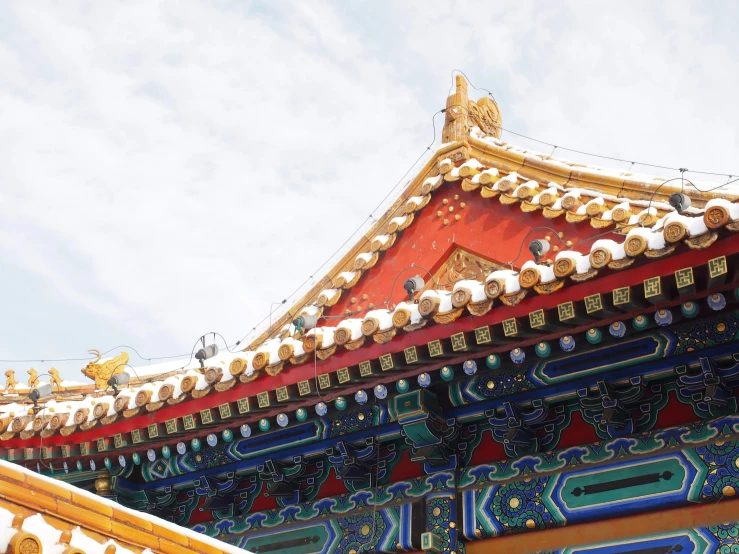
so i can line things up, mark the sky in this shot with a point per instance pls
(172, 169)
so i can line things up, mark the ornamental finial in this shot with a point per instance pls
(462, 115)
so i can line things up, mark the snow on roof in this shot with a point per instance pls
(644, 220)
(51, 538)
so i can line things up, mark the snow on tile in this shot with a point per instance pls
(445, 299)
(354, 326)
(326, 334)
(329, 294)
(90, 546)
(271, 347)
(655, 240)
(347, 275)
(296, 344)
(615, 248)
(511, 178)
(413, 309)
(509, 277)
(472, 163)
(384, 317)
(582, 262)
(635, 219)
(492, 172)
(533, 185)
(6, 530)
(414, 201)
(695, 225)
(551, 190)
(574, 193)
(546, 273)
(608, 214)
(476, 288)
(48, 535)
(399, 221)
(730, 207)
(433, 182)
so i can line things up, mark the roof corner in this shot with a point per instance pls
(462, 114)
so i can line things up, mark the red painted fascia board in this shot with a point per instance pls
(306, 371)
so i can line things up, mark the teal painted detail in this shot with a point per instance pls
(543, 349)
(599, 488)
(689, 309)
(395, 503)
(135, 457)
(441, 516)
(301, 414)
(264, 424)
(306, 540)
(340, 403)
(653, 442)
(455, 393)
(412, 411)
(195, 444)
(640, 323)
(165, 452)
(696, 493)
(493, 361)
(107, 463)
(227, 435)
(594, 336)
(447, 373)
(402, 386)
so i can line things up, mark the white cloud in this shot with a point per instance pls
(175, 170)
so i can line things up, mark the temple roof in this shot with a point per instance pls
(39, 511)
(631, 210)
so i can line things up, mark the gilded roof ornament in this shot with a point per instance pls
(33, 380)
(56, 380)
(462, 114)
(101, 372)
(11, 382)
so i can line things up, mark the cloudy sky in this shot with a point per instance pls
(169, 169)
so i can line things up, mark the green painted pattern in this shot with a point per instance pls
(574, 497)
(308, 540)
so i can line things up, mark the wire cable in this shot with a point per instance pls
(371, 217)
(601, 156)
(341, 247)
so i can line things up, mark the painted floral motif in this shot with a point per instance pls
(207, 457)
(349, 422)
(719, 452)
(361, 533)
(518, 506)
(500, 384)
(725, 530)
(437, 518)
(706, 334)
(720, 483)
(728, 534)
(721, 458)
